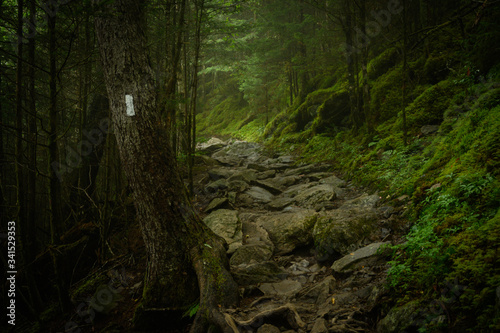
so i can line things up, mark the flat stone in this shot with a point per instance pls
(266, 174)
(287, 288)
(216, 174)
(257, 166)
(261, 272)
(314, 195)
(248, 254)
(280, 203)
(259, 194)
(357, 257)
(217, 185)
(225, 223)
(216, 204)
(267, 185)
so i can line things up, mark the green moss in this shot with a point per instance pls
(430, 106)
(382, 63)
(89, 286)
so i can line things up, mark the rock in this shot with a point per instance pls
(216, 204)
(226, 224)
(342, 231)
(315, 195)
(289, 230)
(294, 190)
(429, 129)
(216, 174)
(399, 318)
(307, 169)
(320, 326)
(237, 186)
(258, 166)
(266, 174)
(211, 145)
(267, 185)
(259, 194)
(286, 288)
(244, 175)
(333, 180)
(242, 149)
(206, 160)
(358, 258)
(248, 254)
(364, 201)
(254, 234)
(215, 186)
(319, 292)
(231, 196)
(261, 272)
(286, 159)
(286, 181)
(267, 328)
(280, 203)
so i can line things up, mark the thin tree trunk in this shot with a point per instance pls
(364, 67)
(30, 246)
(405, 70)
(182, 252)
(56, 221)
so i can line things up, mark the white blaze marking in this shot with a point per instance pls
(129, 99)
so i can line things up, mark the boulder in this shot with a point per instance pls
(289, 230)
(312, 196)
(253, 253)
(358, 258)
(342, 231)
(211, 145)
(225, 223)
(262, 272)
(259, 194)
(399, 318)
(285, 288)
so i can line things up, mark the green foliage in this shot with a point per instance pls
(429, 107)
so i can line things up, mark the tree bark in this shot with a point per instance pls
(183, 254)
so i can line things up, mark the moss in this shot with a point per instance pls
(436, 67)
(429, 107)
(382, 63)
(89, 286)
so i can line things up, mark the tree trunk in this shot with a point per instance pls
(177, 242)
(56, 220)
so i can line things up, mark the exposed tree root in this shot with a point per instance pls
(217, 287)
(287, 312)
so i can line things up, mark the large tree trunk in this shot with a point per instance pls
(182, 252)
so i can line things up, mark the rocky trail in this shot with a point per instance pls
(306, 248)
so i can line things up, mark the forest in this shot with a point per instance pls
(250, 166)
